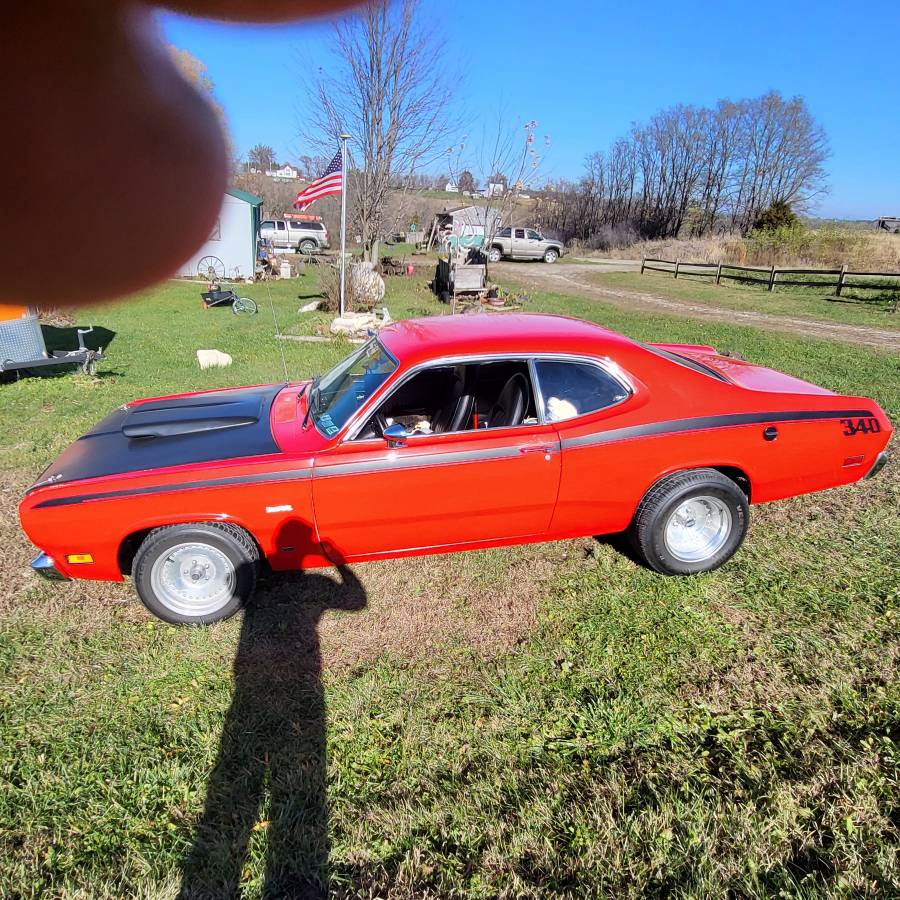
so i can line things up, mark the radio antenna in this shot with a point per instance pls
(278, 338)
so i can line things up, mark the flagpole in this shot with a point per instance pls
(344, 138)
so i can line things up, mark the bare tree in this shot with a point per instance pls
(466, 182)
(512, 149)
(697, 170)
(262, 157)
(388, 92)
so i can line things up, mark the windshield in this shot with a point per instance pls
(343, 390)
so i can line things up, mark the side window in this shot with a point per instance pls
(268, 224)
(520, 232)
(572, 389)
(458, 398)
(533, 235)
(504, 232)
(280, 225)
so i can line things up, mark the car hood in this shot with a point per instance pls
(171, 431)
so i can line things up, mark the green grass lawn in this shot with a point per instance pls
(855, 307)
(544, 721)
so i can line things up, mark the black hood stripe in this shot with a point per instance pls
(653, 429)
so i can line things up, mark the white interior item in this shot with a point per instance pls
(212, 359)
(558, 409)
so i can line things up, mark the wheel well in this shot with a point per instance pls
(738, 476)
(129, 547)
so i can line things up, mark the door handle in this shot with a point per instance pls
(547, 451)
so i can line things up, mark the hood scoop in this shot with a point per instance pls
(167, 420)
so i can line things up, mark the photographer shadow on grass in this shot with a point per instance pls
(268, 786)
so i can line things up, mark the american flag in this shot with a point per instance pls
(330, 182)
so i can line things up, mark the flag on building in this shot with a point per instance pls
(330, 182)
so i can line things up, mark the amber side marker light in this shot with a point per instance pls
(75, 558)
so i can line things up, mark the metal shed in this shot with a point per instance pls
(233, 238)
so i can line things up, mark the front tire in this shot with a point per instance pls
(196, 574)
(690, 522)
(551, 256)
(495, 255)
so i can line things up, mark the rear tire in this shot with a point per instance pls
(307, 246)
(197, 573)
(690, 522)
(244, 306)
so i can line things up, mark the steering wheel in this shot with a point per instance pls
(374, 428)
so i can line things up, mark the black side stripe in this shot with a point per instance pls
(673, 426)
(679, 426)
(285, 475)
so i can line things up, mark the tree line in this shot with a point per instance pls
(694, 170)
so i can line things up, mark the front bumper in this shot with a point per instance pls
(44, 566)
(878, 465)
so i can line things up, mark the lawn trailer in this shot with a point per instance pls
(22, 346)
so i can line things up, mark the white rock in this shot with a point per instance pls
(312, 306)
(212, 359)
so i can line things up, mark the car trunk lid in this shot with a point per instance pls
(739, 371)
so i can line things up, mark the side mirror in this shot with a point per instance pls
(396, 435)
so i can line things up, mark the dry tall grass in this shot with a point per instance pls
(821, 248)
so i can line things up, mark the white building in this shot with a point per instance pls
(494, 189)
(232, 242)
(451, 187)
(284, 172)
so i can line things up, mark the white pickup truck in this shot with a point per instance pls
(304, 235)
(523, 243)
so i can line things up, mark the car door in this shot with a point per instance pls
(535, 244)
(519, 244)
(282, 238)
(480, 486)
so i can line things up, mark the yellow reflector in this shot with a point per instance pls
(79, 558)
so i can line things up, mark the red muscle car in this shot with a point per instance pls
(443, 434)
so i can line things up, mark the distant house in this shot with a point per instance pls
(284, 172)
(233, 239)
(494, 189)
(451, 187)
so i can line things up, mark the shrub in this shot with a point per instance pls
(778, 215)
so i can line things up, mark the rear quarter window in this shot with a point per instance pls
(571, 389)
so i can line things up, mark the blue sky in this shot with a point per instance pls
(586, 70)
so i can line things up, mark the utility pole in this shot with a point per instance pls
(344, 139)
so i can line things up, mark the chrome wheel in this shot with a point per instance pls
(193, 579)
(698, 528)
(494, 255)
